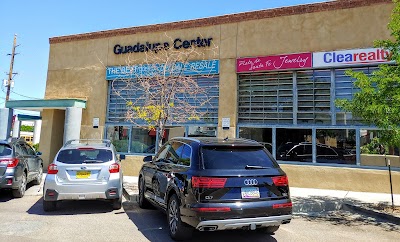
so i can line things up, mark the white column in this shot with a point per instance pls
(5, 123)
(16, 127)
(72, 125)
(36, 131)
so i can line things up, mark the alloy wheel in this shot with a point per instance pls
(173, 216)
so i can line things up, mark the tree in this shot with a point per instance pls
(160, 92)
(378, 100)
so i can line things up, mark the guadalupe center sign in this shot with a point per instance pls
(178, 43)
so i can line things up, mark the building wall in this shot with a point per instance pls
(52, 134)
(77, 66)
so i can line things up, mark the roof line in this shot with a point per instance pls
(224, 19)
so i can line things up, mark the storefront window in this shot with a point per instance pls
(202, 131)
(294, 145)
(142, 141)
(336, 146)
(262, 135)
(369, 149)
(119, 136)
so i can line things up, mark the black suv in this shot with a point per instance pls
(19, 165)
(213, 184)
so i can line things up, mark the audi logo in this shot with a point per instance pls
(250, 182)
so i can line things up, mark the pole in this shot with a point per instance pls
(11, 68)
(390, 180)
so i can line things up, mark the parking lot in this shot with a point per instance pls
(24, 220)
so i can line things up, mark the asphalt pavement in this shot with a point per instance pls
(315, 202)
(306, 201)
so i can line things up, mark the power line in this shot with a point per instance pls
(25, 96)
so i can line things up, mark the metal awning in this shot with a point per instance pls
(40, 104)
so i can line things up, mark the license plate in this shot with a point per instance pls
(250, 192)
(82, 174)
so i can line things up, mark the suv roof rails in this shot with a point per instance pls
(13, 139)
(107, 142)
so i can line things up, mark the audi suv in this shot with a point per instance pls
(213, 184)
(84, 170)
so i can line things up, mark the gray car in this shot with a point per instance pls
(19, 165)
(84, 170)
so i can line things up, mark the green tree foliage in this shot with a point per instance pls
(378, 100)
(26, 128)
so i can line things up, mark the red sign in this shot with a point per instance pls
(274, 62)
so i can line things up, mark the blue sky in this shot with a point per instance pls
(35, 22)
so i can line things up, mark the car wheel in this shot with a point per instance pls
(177, 229)
(49, 205)
(143, 202)
(20, 192)
(39, 177)
(117, 203)
(269, 230)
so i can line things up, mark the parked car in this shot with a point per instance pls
(84, 170)
(19, 165)
(325, 153)
(213, 184)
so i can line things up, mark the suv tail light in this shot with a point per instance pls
(208, 182)
(114, 168)
(11, 162)
(282, 205)
(216, 209)
(280, 181)
(52, 169)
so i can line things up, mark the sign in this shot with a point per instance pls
(96, 122)
(350, 57)
(191, 68)
(178, 43)
(274, 62)
(226, 123)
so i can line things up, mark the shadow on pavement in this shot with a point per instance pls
(6, 194)
(72, 208)
(331, 210)
(152, 223)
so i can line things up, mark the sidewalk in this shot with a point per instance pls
(311, 202)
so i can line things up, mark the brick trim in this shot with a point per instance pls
(225, 19)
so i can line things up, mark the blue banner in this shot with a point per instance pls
(191, 68)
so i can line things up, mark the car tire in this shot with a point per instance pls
(178, 230)
(117, 203)
(269, 230)
(143, 202)
(20, 191)
(39, 177)
(49, 206)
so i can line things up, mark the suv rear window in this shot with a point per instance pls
(5, 150)
(77, 156)
(235, 157)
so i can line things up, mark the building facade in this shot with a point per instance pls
(275, 77)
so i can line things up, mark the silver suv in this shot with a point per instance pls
(84, 170)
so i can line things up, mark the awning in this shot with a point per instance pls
(40, 104)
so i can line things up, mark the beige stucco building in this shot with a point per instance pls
(278, 72)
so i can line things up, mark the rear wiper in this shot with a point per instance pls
(255, 167)
(92, 161)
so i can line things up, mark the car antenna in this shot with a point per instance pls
(226, 139)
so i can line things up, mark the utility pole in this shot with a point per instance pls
(11, 68)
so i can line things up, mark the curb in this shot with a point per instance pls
(130, 196)
(374, 213)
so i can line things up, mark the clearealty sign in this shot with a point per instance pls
(274, 62)
(192, 68)
(350, 57)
